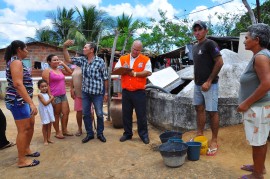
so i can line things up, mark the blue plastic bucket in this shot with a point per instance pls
(175, 140)
(164, 137)
(193, 152)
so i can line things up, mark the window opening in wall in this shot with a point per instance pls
(37, 65)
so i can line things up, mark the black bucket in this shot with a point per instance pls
(164, 137)
(173, 153)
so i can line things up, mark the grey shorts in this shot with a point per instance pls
(207, 98)
(60, 99)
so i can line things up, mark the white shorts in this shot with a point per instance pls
(257, 124)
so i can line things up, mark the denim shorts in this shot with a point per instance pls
(19, 112)
(60, 99)
(207, 98)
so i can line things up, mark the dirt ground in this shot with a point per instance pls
(69, 158)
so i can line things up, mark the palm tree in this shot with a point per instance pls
(63, 21)
(90, 22)
(45, 35)
(127, 28)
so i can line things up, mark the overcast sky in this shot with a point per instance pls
(20, 18)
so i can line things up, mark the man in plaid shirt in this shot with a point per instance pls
(95, 76)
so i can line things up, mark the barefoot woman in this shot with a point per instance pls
(254, 97)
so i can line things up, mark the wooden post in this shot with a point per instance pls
(110, 71)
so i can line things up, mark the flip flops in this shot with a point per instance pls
(250, 168)
(59, 137)
(10, 144)
(212, 152)
(251, 176)
(78, 134)
(68, 134)
(35, 154)
(34, 163)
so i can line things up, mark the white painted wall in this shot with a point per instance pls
(243, 53)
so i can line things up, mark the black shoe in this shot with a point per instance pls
(125, 137)
(87, 138)
(145, 140)
(101, 138)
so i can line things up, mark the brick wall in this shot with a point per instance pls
(37, 52)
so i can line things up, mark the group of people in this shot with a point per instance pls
(91, 87)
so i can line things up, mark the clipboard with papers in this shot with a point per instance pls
(121, 70)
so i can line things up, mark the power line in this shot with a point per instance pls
(177, 17)
(36, 26)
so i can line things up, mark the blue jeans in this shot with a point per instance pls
(97, 100)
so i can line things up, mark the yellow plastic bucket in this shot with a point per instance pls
(204, 141)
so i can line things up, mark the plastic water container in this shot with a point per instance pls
(175, 140)
(204, 141)
(164, 137)
(193, 152)
(173, 153)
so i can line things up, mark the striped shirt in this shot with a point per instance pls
(94, 74)
(11, 92)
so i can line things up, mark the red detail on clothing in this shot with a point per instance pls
(134, 83)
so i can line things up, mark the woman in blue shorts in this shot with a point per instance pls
(18, 100)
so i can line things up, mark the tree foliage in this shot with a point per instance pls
(226, 24)
(159, 35)
(245, 21)
(63, 21)
(164, 35)
(45, 35)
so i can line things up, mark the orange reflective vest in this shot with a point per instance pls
(134, 83)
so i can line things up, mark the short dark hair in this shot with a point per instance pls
(11, 50)
(40, 82)
(92, 45)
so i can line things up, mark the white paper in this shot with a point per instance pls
(163, 77)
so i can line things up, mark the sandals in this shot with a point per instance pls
(250, 168)
(67, 134)
(251, 176)
(10, 144)
(35, 154)
(212, 152)
(78, 134)
(34, 163)
(59, 137)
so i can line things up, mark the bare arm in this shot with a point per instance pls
(16, 69)
(72, 92)
(67, 70)
(217, 67)
(65, 51)
(262, 68)
(42, 100)
(46, 76)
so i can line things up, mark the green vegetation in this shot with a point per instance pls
(158, 36)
